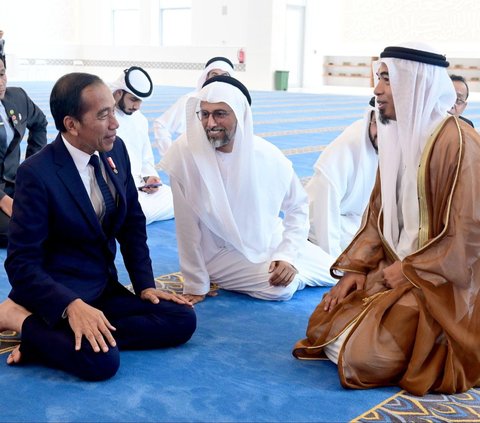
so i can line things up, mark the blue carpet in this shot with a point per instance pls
(238, 366)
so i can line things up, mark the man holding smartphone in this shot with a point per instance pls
(130, 89)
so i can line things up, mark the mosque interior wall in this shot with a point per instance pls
(339, 41)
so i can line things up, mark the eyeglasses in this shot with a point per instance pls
(217, 115)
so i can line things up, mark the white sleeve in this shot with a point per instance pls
(192, 262)
(148, 161)
(169, 125)
(295, 223)
(325, 213)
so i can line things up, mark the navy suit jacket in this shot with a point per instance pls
(57, 249)
(22, 114)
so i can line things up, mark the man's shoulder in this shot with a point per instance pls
(455, 134)
(14, 94)
(42, 160)
(467, 120)
(269, 154)
(348, 145)
(261, 145)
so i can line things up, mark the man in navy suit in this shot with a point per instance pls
(17, 114)
(66, 300)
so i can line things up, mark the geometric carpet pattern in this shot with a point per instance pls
(404, 407)
(173, 283)
(8, 341)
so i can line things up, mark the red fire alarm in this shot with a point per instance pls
(241, 55)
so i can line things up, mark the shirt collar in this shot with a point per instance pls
(80, 158)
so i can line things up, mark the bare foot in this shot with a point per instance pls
(12, 316)
(15, 356)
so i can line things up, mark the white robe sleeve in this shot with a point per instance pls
(170, 125)
(189, 236)
(148, 161)
(325, 213)
(295, 223)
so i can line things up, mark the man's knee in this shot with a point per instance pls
(186, 324)
(276, 293)
(176, 324)
(96, 366)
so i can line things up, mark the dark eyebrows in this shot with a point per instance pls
(383, 75)
(104, 111)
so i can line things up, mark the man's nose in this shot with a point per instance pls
(211, 121)
(114, 123)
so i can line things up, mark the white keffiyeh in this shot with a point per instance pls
(243, 210)
(422, 94)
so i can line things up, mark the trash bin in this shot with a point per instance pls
(281, 80)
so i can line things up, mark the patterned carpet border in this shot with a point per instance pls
(432, 408)
(9, 339)
(173, 282)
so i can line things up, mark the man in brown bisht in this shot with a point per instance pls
(406, 310)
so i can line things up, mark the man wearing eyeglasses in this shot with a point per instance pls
(171, 123)
(461, 88)
(229, 188)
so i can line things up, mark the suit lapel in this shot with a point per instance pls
(13, 120)
(70, 178)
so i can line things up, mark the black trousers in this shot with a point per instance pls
(140, 325)
(4, 222)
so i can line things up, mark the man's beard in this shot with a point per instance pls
(383, 119)
(121, 106)
(218, 142)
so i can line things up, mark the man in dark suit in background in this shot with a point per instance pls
(461, 88)
(74, 200)
(17, 114)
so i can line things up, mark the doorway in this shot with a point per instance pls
(294, 44)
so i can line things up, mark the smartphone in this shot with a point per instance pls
(155, 185)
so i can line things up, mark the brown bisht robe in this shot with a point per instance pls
(423, 335)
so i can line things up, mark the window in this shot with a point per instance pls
(126, 27)
(175, 23)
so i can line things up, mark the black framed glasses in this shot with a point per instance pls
(217, 115)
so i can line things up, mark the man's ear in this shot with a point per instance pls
(117, 94)
(71, 124)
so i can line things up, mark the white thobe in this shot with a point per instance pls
(205, 257)
(340, 189)
(133, 130)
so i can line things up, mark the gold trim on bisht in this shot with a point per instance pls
(424, 223)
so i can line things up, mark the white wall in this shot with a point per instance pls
(82, 30)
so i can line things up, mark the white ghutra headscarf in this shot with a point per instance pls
(244, 209)
(221, 63)
(422, 94)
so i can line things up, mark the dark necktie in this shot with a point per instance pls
(107, 195)
(3, 138)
